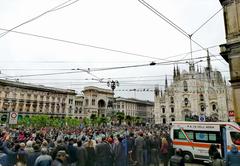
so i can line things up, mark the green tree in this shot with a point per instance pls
(120, 117)
(86, 121)
(94, 119)
(72, 122)
(128, 120)
(39, 120)
(25, 121)
(138, 120)
(103, 121)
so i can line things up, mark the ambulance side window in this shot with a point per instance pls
(235, 136)
(178, 134)
(207, 136)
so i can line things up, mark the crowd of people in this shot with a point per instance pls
(89, 146)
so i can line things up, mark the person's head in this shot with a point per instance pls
(164, 140)
(45, 143)
(22, 145)
(178, 151)
(79, 143)
(29, 144)
(62, 155)
(110, 140)
(36, 147)
(213, 146)
(44, 151)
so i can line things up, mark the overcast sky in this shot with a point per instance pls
(106, 33)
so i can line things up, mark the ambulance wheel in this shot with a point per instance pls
(188, 157)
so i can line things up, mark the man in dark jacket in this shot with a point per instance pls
(31, 157)
(104, 154)
(81, 154)
(3, 156)
(140, 145)
(44, 159)
(72, 152)
(60, 158)
(177, 159)
(12, 154)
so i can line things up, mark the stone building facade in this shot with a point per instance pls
(135, 108)
(231, 50)
(29, 99)
(193, 94)
(97, 101)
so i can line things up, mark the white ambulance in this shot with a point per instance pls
(195, 138)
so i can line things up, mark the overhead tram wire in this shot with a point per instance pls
(85, 45)
(102, 69)
(207, 21)
(176, 26)
(98, 47)
(58, 7)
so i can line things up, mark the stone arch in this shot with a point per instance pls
(186, 113)
(101, 107)
(101, 103)
(172, 118)
(164, 119)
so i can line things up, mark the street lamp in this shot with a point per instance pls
(113, 84)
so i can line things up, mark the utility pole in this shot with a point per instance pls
(231, 50)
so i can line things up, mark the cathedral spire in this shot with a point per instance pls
(208, 68)
(166, 83)
(174, 73)
(209, 62)
(178, 73)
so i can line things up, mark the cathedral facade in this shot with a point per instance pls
(193, 96)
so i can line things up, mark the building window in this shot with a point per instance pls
(171, 99)
(164, 120)
(163, 110)
(93, 102)
(214, 107)
(86, 101)
(70, 109)
(202, 108)
(172, 119)
(185, 86)
(186, 101)
(172, 110)
(70, 101)
(201, 97)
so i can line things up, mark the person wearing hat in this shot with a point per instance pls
(60, 158)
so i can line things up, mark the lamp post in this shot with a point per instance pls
(113, 84)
